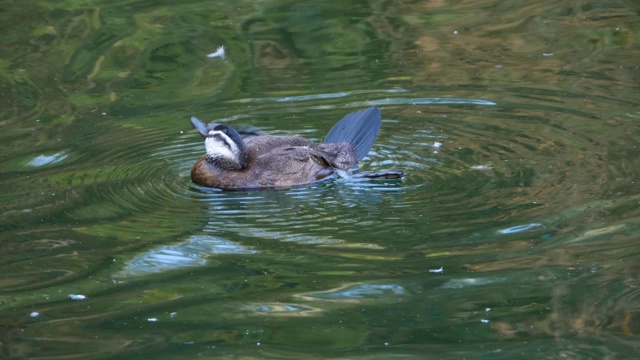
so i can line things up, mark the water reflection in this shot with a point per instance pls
(302, 215)
(357, 293)
(42, 160)
(528, 203)
(518, 228)
(193, 252)
(466, 282)
(389, 101)
(282, 309)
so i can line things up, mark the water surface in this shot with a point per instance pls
(513, 235)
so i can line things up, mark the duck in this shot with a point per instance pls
(245, 158)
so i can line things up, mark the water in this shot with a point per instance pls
(513, 235)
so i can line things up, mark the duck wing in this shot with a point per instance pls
(290, 166)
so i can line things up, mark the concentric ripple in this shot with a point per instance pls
(477, 160)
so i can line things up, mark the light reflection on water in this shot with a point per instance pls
(42, 160)
(352, 292)
(389, 101)
(520, 196)
(193, 252)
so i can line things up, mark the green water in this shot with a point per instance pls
(513, 235)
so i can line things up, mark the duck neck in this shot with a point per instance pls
(237, 162)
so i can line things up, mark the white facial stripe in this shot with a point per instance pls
(217, 149)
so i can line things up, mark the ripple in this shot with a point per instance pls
(388, 101)
(304, 215)
(530, 200)
(440, 143)
(28, 280)
(358, 292)
(281, 309)
(519, 228)
(490, 164)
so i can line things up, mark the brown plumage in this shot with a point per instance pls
(264, 161)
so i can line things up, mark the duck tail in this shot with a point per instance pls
(359, 129)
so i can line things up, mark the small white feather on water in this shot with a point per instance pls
(219, 53)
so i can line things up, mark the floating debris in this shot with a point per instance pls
(34, 314)
(219, 53)
(484, 321)
(439, 271)
(76, 297)
(152, 319)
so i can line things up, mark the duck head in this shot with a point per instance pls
(225, 148)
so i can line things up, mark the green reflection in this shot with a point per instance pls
(529, 204)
